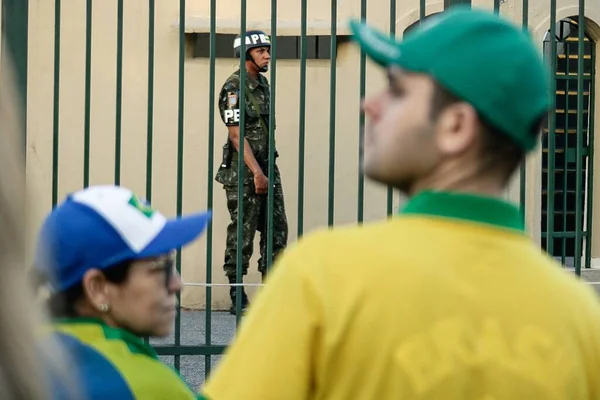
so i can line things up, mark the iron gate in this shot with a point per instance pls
(567, 141)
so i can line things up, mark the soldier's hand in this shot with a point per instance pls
(261, 183)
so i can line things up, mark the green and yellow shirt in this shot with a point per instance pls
(449, 300)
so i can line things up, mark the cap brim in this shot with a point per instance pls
(379, 47)
(177, 233)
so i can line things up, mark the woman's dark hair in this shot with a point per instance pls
(63, 304)
(499, 151)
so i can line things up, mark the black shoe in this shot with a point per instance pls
(245, 302)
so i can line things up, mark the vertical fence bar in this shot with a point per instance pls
(496, 6)
(15, 28)
(578, 181)
(422, 10)
(522, 190)
(523, 166)
(56, 105)
(271, 166)
(390, 191)
(565, 238)
(180, 137)
(209, 191)
(150, 106)
(302, 122)
(240, 224)
(590, 185)
(525, 19)
(332, 113)
(361, 121)
(551, 137)
(150, 109)
(88, 89)
(119, 92)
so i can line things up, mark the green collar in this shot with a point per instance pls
(473, 208)
(134, 343)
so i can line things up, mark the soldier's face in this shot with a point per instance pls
(399, 140)
(261, 57)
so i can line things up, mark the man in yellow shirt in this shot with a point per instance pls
(451, 299)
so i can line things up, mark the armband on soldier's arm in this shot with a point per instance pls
(231, 117)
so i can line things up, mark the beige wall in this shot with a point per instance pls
(40, 109)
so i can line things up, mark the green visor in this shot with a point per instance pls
(479, 57)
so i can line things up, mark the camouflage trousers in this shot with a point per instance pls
(255, 211)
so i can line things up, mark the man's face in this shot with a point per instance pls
(399, 140)
(261, 57)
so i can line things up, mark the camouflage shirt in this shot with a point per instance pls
(230, 112)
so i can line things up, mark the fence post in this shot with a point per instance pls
(14, 49)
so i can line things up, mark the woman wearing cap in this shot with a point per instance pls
(106, 260)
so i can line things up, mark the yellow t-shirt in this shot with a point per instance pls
(449, 300)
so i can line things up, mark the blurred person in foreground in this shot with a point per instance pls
(30, 368)
(106, 258)
(451, 299)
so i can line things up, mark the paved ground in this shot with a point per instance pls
(193, 332)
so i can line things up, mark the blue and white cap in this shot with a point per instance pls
(101, 226)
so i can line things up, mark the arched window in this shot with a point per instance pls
(415, 24)
(560, 197)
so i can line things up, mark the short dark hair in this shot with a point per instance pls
(63, 304)
(499, 151)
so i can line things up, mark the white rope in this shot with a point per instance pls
(221, 284)
(262, 284)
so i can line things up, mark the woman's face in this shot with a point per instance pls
(145, 302)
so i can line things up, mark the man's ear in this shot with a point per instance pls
(95, 288)
(458, 127)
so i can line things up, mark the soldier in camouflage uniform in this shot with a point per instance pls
(256, 154)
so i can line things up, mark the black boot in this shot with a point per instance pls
(233, 294)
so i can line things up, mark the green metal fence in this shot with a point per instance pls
(567, 144)
(15, 46)
(568, 152)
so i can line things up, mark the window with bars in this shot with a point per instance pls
(560, 197)
(288, 47)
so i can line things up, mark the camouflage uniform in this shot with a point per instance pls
(254, 205)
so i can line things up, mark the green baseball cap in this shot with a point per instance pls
(478, 56)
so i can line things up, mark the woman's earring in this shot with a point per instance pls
(103, 307)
